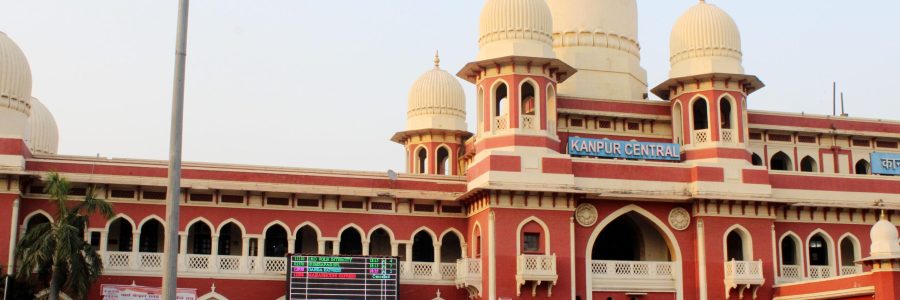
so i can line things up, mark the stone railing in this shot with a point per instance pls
(641, 275)
(700, 136)
(501, 122)
(444, 273)
(819, 272)
(742, 275)
(851, 270)
(529, 122)
(791, 273)
(728, 136)
(468, 276)
(536, 268)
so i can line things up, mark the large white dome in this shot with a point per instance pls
(436, 101)
(515, 27)
(705, 40)
(15, 76)
(885, 239)
(43, 137)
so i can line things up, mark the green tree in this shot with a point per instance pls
(58, 249)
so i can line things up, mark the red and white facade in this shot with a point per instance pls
(762, 205)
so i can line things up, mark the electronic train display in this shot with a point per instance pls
(324, 277)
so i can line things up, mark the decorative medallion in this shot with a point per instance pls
(679, 218)
(586, 215)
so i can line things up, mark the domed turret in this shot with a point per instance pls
(515, 28)
(436, 101)
(885, 240)
(15, 73)
(43, 137)
(600, 39)
(705, 40)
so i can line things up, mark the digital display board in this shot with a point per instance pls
(323, 277)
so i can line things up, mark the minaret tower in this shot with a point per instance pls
(435, 125)
(15, 104)
(707, 86)
(516, 76)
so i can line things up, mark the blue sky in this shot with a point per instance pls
(323, 84)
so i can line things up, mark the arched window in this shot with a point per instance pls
(701, 114)
(351, 242)
(423, 247)
(863, 167)
(736, 247)
(152, 237)
(781, 162)
(725, 114)
(791, 257)
(451, 248)
(231, 240)
(476, 241)
(119, 236)
(631, 237)
(808, 164)
(443, 161)
(677, 125)
(199, 239)
(818, 251)
(307, 240)
(756, 160)
(501, 101)
(529, 104)
(421, 160)
(480, 109)
(36, 220)
(532, 238)
(551, 110)
(276, 241)
(380, 243)
(849, 255)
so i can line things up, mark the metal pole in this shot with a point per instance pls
(170, 263)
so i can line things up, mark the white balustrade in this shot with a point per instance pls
(701, 136)
(819, 272)
(148, 261)
(468, 272)
(728, 136)
(230, 263)
(649, 275)
(448, 271)
(790, 273)
(117, 260)
(529, 122)
(501, 122)
(743, 270)
(275, 264)
(198, 263)
(850, 270)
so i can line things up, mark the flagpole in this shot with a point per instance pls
(173, 195)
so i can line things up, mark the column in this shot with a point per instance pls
(214, 254)
(408, 263)
(135, 246)
(182, 252)
(321, 249)
(436, 273)
(291, 245)
(394, 251)
(336, 247)
(245, 251)
(103, 239)
(365, 249)
(260, 253)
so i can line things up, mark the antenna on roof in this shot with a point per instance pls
(834, 98)
(843, 114)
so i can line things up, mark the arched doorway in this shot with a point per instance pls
(276, 241)
(231, 240)
(781, 162)
(451, 247)
(863, 167)
(645, 257)
(820, 256)
(119, 236)
(152, 236)
(199, 239)
(380, 243)
(351, 242)
(307, 240)
(791, 258)
(423, 247)
(849, 255)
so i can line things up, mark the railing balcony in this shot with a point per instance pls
(820, 272)
(700, 136)
(728, 136)
(743, 274)
(501, 122)
(468, 276)
(791, 273)
(637, 275)
(851, 270)
(529, 122)
(427, 271)
(537, 269)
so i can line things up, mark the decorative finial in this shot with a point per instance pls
(213, 287)
(437, 60)
(880, 203)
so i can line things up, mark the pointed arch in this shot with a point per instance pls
(346, 245)
(849, 253)
(677, 123)
(449, 252)
(149, 218)
(699, 113)
(452, 230)
(756, 160)
(809, 164)
(863, 167)
(780, 161)
(479, 109)
(233, 221)
(443, 161)
(795, 256)
(499, 91)
(39, 212)
(545, 237)
(358, 229)
(551, 109)
(728, 108)
(198, 219)
(813, 253)
(123, 217)
(420, 160)
(426, 229)
(743, 251)
(311, 225)
(668, 235)
(276, 223)
(530, 103)
(476, 239)
(381, 226)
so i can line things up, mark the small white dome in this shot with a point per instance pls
(515, 27)
(43, 137)
(705, 40)
(436, 101)
(15, 76)
(885, 239)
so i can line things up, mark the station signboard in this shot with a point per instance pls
(342, 277)
(607, 148)
(885, 163)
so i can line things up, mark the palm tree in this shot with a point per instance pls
(58, 249)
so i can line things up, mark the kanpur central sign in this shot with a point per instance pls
(623, 149)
